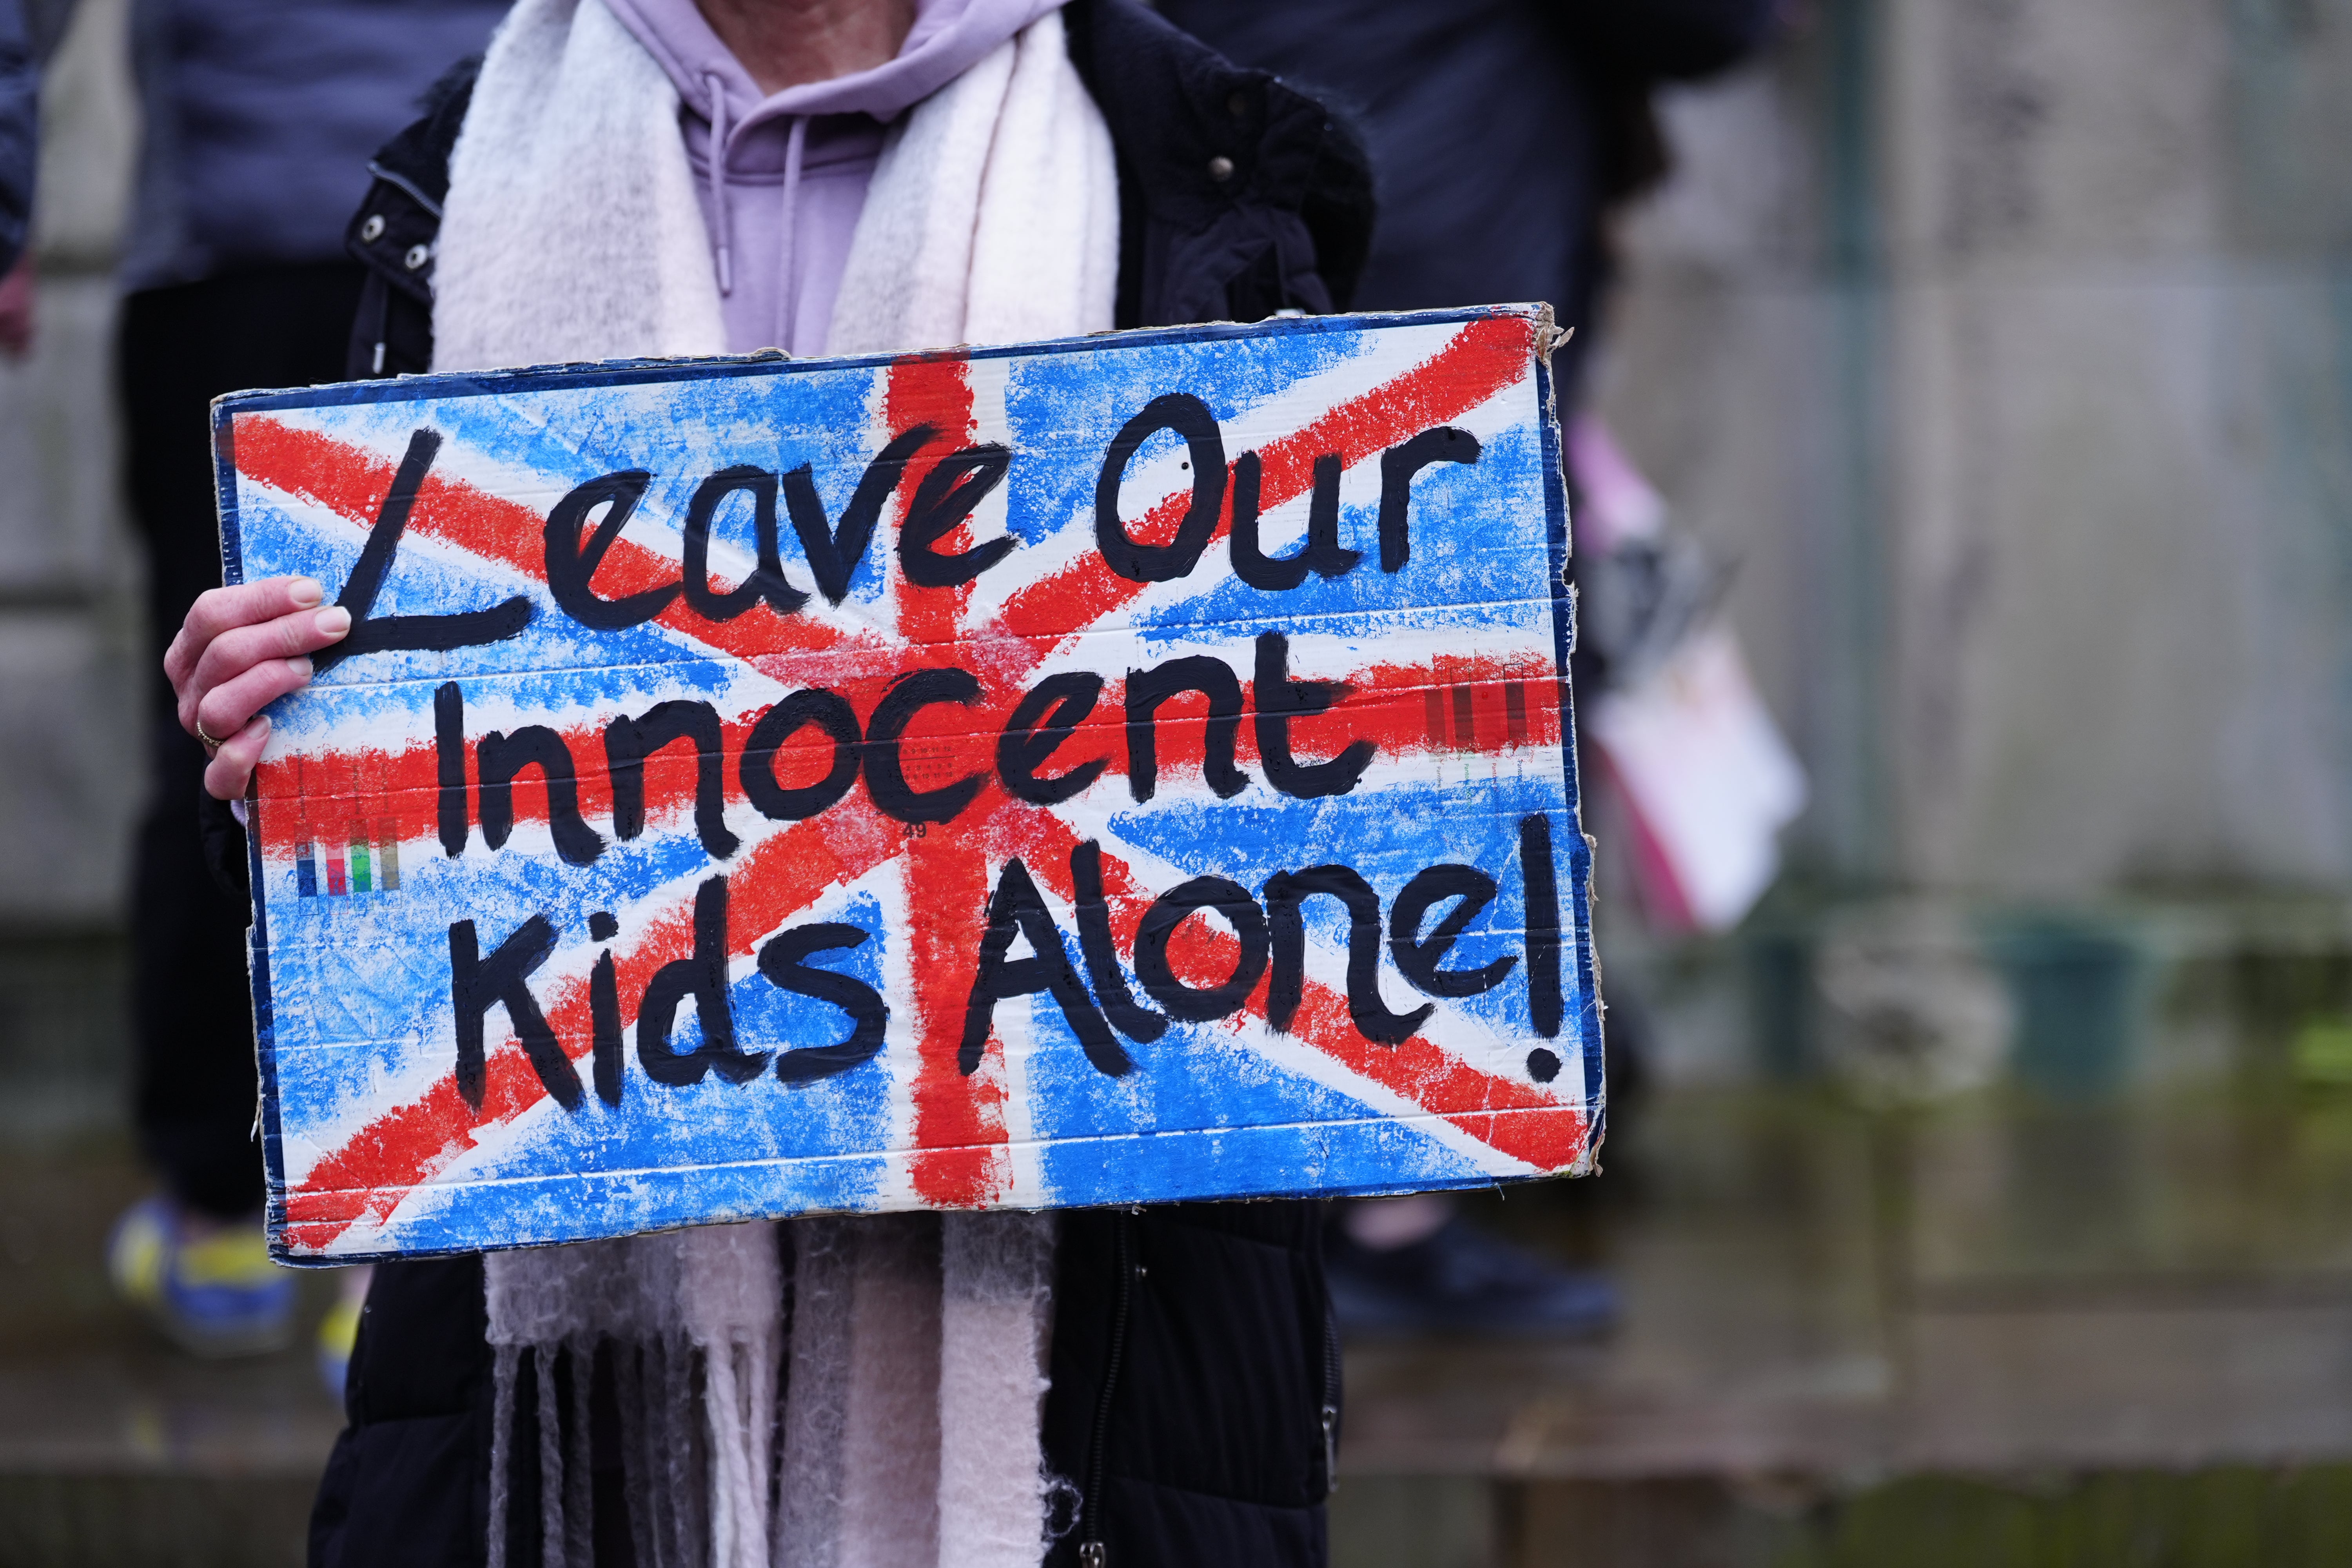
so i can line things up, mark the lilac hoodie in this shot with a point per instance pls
(782, 195)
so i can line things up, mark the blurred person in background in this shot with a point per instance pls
(18, 124)
(259, 123)
(1502, 133)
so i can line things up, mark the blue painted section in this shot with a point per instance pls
(659, 1127)
(1466, 577)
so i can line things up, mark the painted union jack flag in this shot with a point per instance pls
(1126, 769)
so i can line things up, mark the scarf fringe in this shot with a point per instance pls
(898, 1415)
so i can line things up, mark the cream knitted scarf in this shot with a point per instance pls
(840, 1393)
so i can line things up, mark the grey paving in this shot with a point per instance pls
(1822, 1305)
(1994, 1288)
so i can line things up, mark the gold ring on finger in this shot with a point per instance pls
(211, 743)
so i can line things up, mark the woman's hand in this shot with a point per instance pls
(241, 649)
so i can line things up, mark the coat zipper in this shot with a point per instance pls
(1091, 1553)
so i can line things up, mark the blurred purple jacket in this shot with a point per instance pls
(17, 124)
(260, 120)
(1493, 125)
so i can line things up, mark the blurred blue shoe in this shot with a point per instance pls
(213, 1292)
(1461, 1281)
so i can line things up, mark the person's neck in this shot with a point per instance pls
(785, 43)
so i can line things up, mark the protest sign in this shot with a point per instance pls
(1126, 769)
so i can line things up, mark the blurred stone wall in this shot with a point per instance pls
(70, 654)
(2008, 345)
(72, 660)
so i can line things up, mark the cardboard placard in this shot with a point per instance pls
(1125, 769)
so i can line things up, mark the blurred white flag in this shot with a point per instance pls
(1706, 780)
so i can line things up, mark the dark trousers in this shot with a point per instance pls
(179, 349)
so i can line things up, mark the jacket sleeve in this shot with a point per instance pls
(1239, 197)
(396, 232)
(1666, 39)
(17, 126)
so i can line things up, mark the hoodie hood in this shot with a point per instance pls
(948, 37)
(783, 176)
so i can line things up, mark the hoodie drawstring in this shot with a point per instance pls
(722, 196)
(796, 147)
(720, 201)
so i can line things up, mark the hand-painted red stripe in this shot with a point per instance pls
(404, 785)
(936, 392)
(1384, 704)
(960, 1159)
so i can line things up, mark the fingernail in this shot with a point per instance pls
(260, 725)
(334, 621)
(299, 666)
(305, 592)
